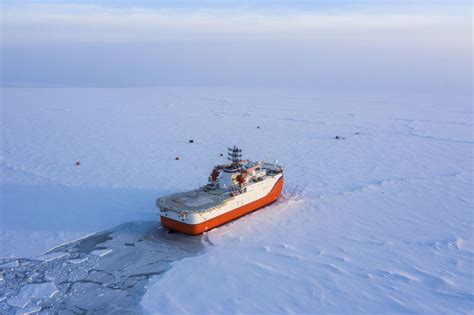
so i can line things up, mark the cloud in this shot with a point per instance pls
(423, 47)
(92, 23)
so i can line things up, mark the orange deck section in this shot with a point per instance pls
(195, 229)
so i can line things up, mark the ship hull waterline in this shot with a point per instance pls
(196, 229)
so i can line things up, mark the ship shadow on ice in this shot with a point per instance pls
(100, 273)
(133, 234)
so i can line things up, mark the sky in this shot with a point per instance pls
(421, 46)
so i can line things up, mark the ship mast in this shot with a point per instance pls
(235, 156)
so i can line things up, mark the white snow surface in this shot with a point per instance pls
(378, 222)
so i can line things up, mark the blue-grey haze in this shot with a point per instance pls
(61, 45)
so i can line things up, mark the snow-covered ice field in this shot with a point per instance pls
(380, 221)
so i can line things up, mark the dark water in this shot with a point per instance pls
(103, 273)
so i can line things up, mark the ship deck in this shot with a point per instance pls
(194, 200)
